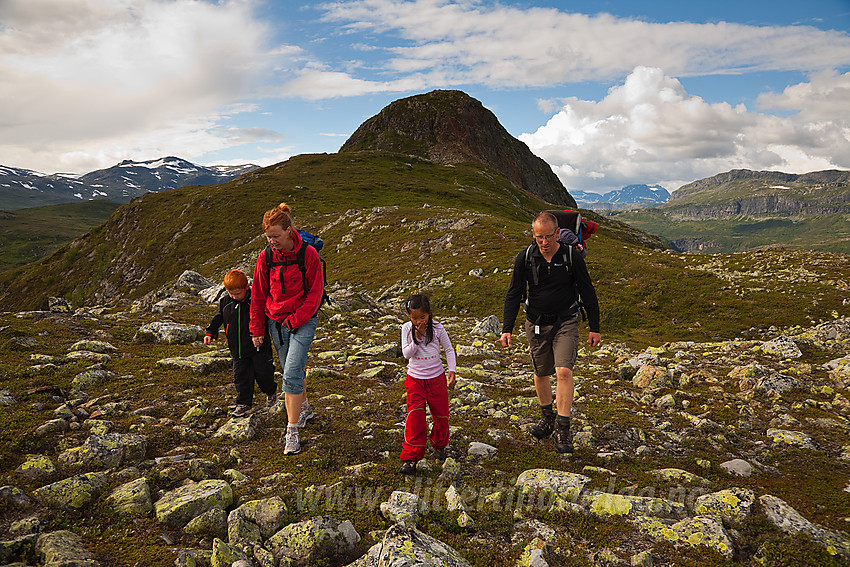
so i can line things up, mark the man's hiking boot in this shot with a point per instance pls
(293, 442)
(543, 428)
(241, 410)
(408, 468)
(440, 454)
(563, 440)
(306, 414)
(271, 400)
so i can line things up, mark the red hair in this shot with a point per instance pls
(278, 216)
(235, 279)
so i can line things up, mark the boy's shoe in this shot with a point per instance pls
(241, 411)
(440, 454)
(293, 442)
(563, 440)
(271, 400)
(408, 467)
(543, 428)
(306, 414)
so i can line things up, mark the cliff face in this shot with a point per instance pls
(748, 193)
(450, 127)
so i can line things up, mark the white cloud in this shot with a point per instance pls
(650, 130)
(133, 75)
(470, 42)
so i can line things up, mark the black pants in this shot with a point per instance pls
(258, 366)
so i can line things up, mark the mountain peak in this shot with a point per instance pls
(449, 127)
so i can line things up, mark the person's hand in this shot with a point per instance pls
(207, 339)
(593, 339)
(421, 329)
(257, 341)
(451, 377)
(505, 340)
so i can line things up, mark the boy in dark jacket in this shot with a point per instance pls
(249, 363)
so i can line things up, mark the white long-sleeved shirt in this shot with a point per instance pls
(424, 361)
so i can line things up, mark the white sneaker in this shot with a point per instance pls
(293, 442)
(305, 415)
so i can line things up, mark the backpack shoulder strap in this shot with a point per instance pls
(302, 265)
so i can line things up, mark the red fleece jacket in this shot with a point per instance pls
(292, 307)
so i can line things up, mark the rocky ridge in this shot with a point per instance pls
(683, 447)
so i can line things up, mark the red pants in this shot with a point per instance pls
(435, 393)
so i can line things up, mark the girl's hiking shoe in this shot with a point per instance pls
(305, 415)
(440, 454)
(293, 442)
(241, 411)
(543, 428)
(408, 467)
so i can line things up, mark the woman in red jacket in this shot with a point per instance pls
(286, 297)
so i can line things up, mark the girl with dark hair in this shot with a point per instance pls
(426, 383)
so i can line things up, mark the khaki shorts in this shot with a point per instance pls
(561, 352)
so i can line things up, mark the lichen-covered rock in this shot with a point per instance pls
(404, 508)
(564, 484)
(534, 554)
(648, 377)
(746, 376)
(74, 492)
(14, 496)
(306, 542)
(787, 519)
(89, 355)
(192, 282)
(782, 347)
(177, 507)
(408, 547)
(776, 383)
(225, 554)
(680, 476)
(106, 452)
(91, 378)
(166, 332)
(239, 428)
(266, 514)
(189, 557)
(733, 504)
(610, 504)
(57, 425)
(101, 347)
(700, 530)
(36, 467)
(387, 350)
(786, 437)
(63, 549)
(132, 498)
(487, 325)
(201, 363)
(212, 523)
(15, 548)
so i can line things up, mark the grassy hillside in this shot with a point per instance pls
(29, 234)
(828, 233)
(395, 224)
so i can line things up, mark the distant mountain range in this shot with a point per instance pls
(742, 209)
(629, 197)
(24, 188)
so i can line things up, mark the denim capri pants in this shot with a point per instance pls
(292, 351)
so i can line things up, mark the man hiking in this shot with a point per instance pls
(558, 287)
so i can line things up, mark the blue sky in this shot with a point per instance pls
(609, 93)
